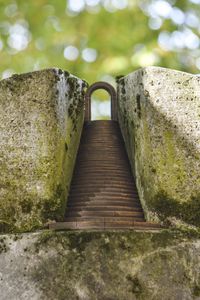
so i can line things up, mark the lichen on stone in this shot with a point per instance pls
(39, 142)
(118, 265)
(161, 127)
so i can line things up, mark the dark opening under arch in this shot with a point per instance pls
(111, 91)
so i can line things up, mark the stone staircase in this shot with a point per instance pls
(103, 194)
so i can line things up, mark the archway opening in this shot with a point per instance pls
(100, 105)
(101, 85)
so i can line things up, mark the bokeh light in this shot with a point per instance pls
(71, 53)
(95, 39)
(19, 36)
(89, 55)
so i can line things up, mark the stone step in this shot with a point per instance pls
(99, 178)
(100, 172)
(94, 207)
(126, 186)
(103, 193)
(102, 225)
(133, 204)
(125, 194)
(103, 213)
(99, 196)
(103, 219)
(103, 201)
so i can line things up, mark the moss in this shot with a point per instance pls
(127, 240)
(103, 264)
(6, 226)
(161, 152)
(17, 237)
(113, 265)
(84, 85)
(71, 240)
(66, 147)
(26, 206)
(40, 195)
(60, 72)
(121, 89)
(70, 110)
(136, 287)
(52, 209)
(118, 78)
(66, 74)
(73, 86)
(138, 105)
(188, 212)
(44, 239)
(196, 291)
(3, 245)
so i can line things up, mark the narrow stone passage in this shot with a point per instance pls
(103, 193)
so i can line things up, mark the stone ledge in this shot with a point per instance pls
(122, 265)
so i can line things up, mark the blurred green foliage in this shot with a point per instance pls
(99, 39)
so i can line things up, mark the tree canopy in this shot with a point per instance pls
(99, 39)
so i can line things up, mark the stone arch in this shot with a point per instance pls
(111, 91)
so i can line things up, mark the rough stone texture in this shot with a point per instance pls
(41, 117)
(159, 114)
(100, 265)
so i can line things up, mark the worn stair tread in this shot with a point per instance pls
(109, 219)
(105, 193)
(101, 199)
(92, 207)
(110, 189)
(101, 180)
(122, 179)
(101, 224)
(88, 204)
(100, 196)
(102, 185)
(103, 213)
(76, 203)
(111, 170)
(104, 163)
(102, 174)
(102, 192)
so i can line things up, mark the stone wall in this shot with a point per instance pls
(41, 118)
(159, 115)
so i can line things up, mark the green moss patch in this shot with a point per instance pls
(109, 265)
(188, 212)
(43, 117)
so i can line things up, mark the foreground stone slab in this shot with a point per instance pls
(100, 265)
(159, 114)
(41, 117)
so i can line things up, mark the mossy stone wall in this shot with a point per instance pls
(159, 115)
(41, 118)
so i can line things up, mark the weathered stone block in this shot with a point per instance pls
(100, 265)
(41, 117)
(159, 113)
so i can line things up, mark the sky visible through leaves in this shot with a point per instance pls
(99, 39)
